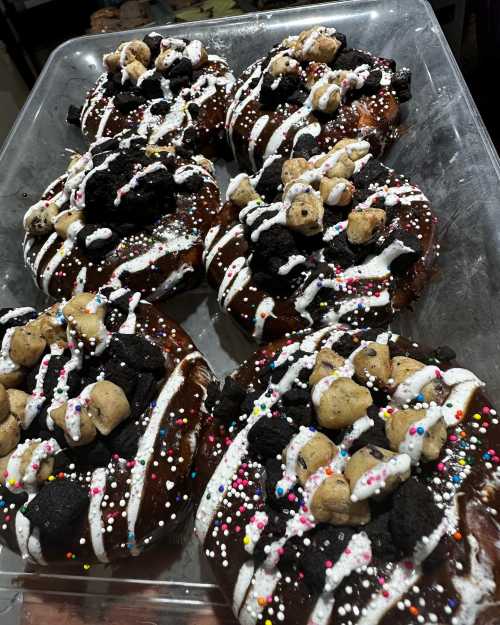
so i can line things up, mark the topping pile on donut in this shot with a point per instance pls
(101, 403)
(314, 239)
(310, 92)
(166, 89)
(124, 214)
(348, 471)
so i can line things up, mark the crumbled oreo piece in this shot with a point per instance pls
(124, 439)
(438, 556)
(180, 68)
(372, 173)
(92, 456)
(227, 408)
(56, 507)
(273, 474)
(151, 88)
(160, 108)
(144, 394)
(213, 392)
(128, 102)
(248, 403)
(343, 253)
(138, 352)
(373, 436)
(372, 83)
(113, 84)
(444, 353)
(193, 184)
(270, 180)
(381, 538)
(268, 437)
(401, 83)
(154, 43)
(328, 544)
(193, 109)
(413, 516)
(73, 115)
(296, 397)
(402, 263)
(350, 59)
(121, 374)
(275, 91)
(300, 415)
(306, 147)
(274, 529)
(53, 376)
(90, 240)
(108, 145)
(61, 462)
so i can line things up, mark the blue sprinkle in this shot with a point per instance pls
(162, 432)
(452, 603)
(420, 397)
(420, 430)
(343, 452)
(279, 491)
(131, 534)
(221, 488)
(360, 306)
(193, 474)
(258, 492)
(2, 504)
(456, 478)
(486, 456)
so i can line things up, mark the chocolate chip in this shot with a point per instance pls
(56, 507)
(268, 437)
(413, 516)
(138, 352)
(160, 108)
(74, 114)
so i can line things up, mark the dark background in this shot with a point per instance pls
(31, 29)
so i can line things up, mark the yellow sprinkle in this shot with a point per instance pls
(184, 420)
(476, 416)
(268, 622)
(386, 414)
(246, 540)
(86, 567)
(462, 462)
(12, 482)
(51, 478)
(256, 410)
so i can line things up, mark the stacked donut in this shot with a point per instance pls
(344, 474)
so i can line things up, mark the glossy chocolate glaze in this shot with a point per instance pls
(164, 257)
(371, 117)
(413, 215)
(458, 590)
(208, 88)
(166, 497)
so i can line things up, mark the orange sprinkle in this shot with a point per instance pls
(262, 601)
(457, 536)
(329, 471)
(413, 610)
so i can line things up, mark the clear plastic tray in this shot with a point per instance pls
(444, 147)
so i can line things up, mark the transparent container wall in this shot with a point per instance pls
(444, 148)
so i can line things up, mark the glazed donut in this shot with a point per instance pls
(359, 486)
(337, 237)
(101, 402)
(311, 91)
(168, 90)
(125, 214)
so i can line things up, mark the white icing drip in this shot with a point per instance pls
(243, 581)
(147, 444)
(235, 232)
(293, 261)
(293, 450)
(59, 255)
(29, 545)
(374, 479)
(229, 275)
(365, 302)
(414, 440)
(378, 266)
(254, 529)
(241, 280)
(43, 250)
(80, 281)
(7, 365)
(128, 326)
(255, 133)
(27, 482)
(406, 194)
(37, 397)
(15, 312)
(60, 393)
(171, 281)
(144, 261)
(97, 492)
(98, 235)
(264, 310)
(73, 414)
(357, 555)
(321, 387)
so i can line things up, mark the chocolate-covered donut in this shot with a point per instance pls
(321, 239)
(310, 90)
(125, 214)
(101, 402)
(353, 481)
(169, 90)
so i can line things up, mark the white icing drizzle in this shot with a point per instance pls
(135, 180)
(128, 326)
(59, 255)
(16, 312)
(7, 365)
(235, 232)
(80, 281)
(293, 261)
(254, 529)
(357, 555)
(147, 444)
(293, 450)
(60, 393)
(98, 235)
(229, 275)
(375, 478)
(73, 414)
(263, 311)
(243, 581)
(37, 397)
(414, 439)
(366, 303)
(255, 133)
(43, 250)
(27, 482)
(144, 261)
(97, 492)
(170, 283)
(29, 544)
(240, 281)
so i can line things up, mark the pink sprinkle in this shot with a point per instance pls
(260, 526)
(486, 410)
(96, 490)
(281, 551)
(381, 580)
(303, 519)
(408, 564)
(301, 575)
(224, 526)
(328, 564)
(452, 437)
(347, 551)
(237, 528)
(440, 467)
(35, 466)
(291, 497)
(116, 457)
(413, 430)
